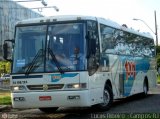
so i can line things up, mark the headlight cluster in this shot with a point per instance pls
(76, 86)
(18, 88)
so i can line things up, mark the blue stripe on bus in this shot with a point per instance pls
(58, 77)
(25, 77)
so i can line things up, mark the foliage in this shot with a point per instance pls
(5, 100)
(5, 97)
(158, 55)
(5, 67)
(158, 60)
(158, 79)
(158, 49)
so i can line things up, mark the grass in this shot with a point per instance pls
(158, 79)
(5, 98)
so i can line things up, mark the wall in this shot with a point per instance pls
(10, 13)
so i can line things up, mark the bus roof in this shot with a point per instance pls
(107, 22)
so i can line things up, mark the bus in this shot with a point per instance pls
(78, 61)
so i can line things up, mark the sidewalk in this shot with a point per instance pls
(3, 107)
(155, 90)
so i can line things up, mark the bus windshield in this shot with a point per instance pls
(49, 48)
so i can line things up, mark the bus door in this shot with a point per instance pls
(121, 83)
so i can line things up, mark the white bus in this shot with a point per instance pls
(78, 61)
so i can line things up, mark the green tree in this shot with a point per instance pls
(158, 49)
(5, 67)
(158, 55)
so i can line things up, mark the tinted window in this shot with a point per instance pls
(107, 39)
(120, 42)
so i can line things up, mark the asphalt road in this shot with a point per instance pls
(134, 104)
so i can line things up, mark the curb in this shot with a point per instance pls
(3, 107)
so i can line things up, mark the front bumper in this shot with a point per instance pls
(51, 99)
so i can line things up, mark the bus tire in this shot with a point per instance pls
(145, 88)
(48, 109)
(107, 98)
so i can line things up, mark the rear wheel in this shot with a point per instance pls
(48, 109)
(107, 99)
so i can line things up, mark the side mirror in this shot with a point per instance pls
(7, 49)
(92, 65)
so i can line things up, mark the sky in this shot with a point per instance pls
(120, 11)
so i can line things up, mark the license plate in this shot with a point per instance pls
(45, 98)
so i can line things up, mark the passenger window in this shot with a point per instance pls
(120, 42)
(108, 40)
(148, 49)
(121, 46)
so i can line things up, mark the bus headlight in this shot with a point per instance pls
(76, 86)
(18, 88)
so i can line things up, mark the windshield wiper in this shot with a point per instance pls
(31, 65)
(55, 61)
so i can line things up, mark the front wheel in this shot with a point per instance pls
(48, 109)
(107, 99)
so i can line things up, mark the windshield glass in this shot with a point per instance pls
(30, 40)
(53, 48)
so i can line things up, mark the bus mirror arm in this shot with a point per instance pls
(12, 41)
(91, 44)
(88, 45)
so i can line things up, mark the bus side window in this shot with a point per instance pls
(148, 47)
(130, 43)
(107, 37)
(121, 43)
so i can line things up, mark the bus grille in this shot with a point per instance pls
(45, 87)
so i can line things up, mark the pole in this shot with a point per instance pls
(156, 33)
